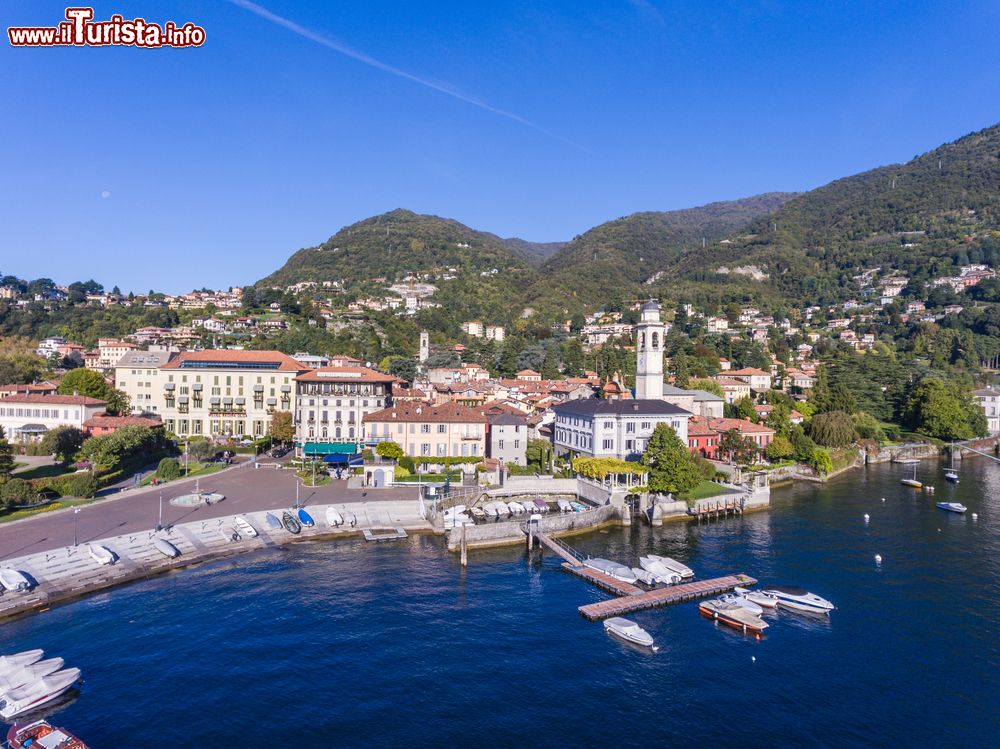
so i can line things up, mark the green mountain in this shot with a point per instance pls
(533, 252)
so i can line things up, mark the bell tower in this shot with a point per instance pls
(649, 353)
(425, 346)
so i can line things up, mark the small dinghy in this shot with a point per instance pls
(166, 548)
(305, 518)
(564, 505)
(541, 505)
(27, 674)
(102, 554)
(749, 605)
(291, 524)
(515, 508)
(952, 507)
(14, 580)
(629, 631)
(244, 527)
(732, 615)
(529, 506)
(42, 734)
(333, 518)
(229, 534)
(272, 521)
(761, 599)
(11, 663)
(37, 693)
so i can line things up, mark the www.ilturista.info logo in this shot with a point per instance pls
(80, 30)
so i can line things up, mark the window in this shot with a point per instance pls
(442, 428)
(517, 444)
(645, 426)
(608, 444)
(630, 445)
(500, 444)
(630, 427)
(425, 428)
(609, 425)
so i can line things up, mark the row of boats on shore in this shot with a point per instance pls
(27, 683)
(742, 609)
(459, 515)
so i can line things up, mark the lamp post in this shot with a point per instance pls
(159, 524)
(76, 511)
(296, 491)
(186, 456)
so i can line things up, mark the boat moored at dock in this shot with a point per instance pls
(659, 571)
(673, 565)
(612, 569)
(41, 734)
(27, 674)
(761, 599)
(37, 693)
(11, 663)
(629, 631)
(732, 615)
(799, 599)
(14, 581)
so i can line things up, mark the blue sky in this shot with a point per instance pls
(178, 168)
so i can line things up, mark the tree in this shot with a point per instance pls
(84, 382)
(745, 409)
(119, 403)
(737, 448)
(708, 385)
(168, 469)
(16, 492)
(943, 410)
(200, 449)
(403, 367)
(833, 429)
(539, 453)
(64, 442)
(681, 371)
(671, 466)
(6, 457)
(84, 484)
(389, 449)
(820, 461)
(842, 399)
(281, 429)
(820, 395)
(779, 448)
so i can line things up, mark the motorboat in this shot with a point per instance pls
(761, 599)
(629, 631)
(11, 663)
(41, 735)
(732, 615)
(951, 475)
(305, 518)
(333, 518)
(102, 554)
(515, 508)
(661, 573)
(673, 565)
(529, 506)
(292, 525)
(912, 482)
(477, 513)
(272, 521)
(739, 600)
(457, 521)
(564, 505)
(577, 506)
(37, 693)
(611, 569)
(645, 576)
(451, 512)
(229, 534)
(799, 599)
(27, 674)
(952, 507)
(14, 580)
(166, 548)
(502, 509)
(244, 527)
(541, 505)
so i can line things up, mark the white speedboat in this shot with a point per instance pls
(564, 505)
(732, 615)
(333, 518)
(645, 576)
(541, 505)
(244, 527)
(515, 508)
(37, 693)
(166, 548)
(457, 521)
(761, 599)
(502, 509)
(629, 631)
(951, 475)
(11, 663)
(612, 569)
(451, 512)
(673, 565)
(660, 572)
(14, 580)
(739, 600)
(27, 674)
(102, 554)
(529, 506)
(952, 507)
(799, 599)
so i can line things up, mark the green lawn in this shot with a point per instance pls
(702, 490)
(57, 505)
(194, 470)
(44, 472)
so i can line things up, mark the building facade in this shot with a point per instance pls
(429, 431)
(331, 404)
(989, 400)
(649, 353)
(27, 418)
(598, 428)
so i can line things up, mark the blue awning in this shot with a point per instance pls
(343, 459)
(329, 448)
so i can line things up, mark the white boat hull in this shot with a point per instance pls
(246, 530)
(38, 693)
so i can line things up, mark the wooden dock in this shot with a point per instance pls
(567, 552)
(663, 596)
(717, 509)
(602, 581)
(379, 534)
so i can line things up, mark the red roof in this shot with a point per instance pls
(55, 400)
(345, 374)
(428, 413)
(284, 362)
(104, 421)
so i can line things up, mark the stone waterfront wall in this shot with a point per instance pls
(508, 532)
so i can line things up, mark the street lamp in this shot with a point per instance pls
(76, 511)
(159, 524)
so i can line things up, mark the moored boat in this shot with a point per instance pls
(577, 506)
(799, 599)
(732, 615)
(272, 521)
(14, 580)
(10, 663)
(645, 576)
(244, 527)
(952, 507)
(564, 505)
(659, 571)
(541, 505)
(739, 600)
(166, 548)
(37, 693)
(41, 734)
(292, 525)
(305, 518)
(102, 554)
(333, 518)
(761, 599)
(629, 631)
(529, 506)
(477, 513)
(612, 569)
(673, 565)
(27, 674)
(912, 482)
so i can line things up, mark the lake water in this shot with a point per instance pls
(361, 645)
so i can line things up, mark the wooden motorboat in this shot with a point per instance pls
(291, 524)
(732, 615)
(244, 527)
(40, 735)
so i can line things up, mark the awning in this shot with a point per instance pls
(272, 401)
(42, 429)
(329, 448)
(214, 400)
(258, 388)
(240, 401)
(183, 399)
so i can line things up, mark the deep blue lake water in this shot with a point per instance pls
(351, 644)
